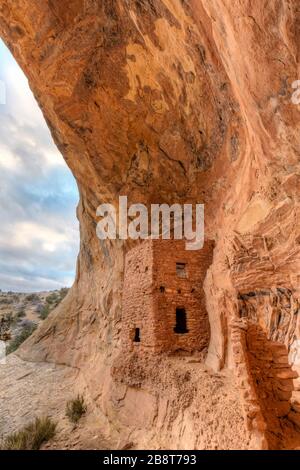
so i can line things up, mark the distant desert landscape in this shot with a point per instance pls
(20, 314)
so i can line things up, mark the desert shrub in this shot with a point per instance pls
(26, 331)
(63, 292)
(39, 307)
(76, 408)
(8, 319)
(44, 312)
(6, 301)
(31, 437)
(32, 298)
(52, 298)
(21, 313)
(5, 325)
(52, 301)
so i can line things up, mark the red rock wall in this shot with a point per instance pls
(267, 384)
(170, 101)
(272, 378)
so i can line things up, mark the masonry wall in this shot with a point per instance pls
(172, 291)
(137, 298)
(152, 291)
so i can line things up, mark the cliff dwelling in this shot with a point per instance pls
(163, 307)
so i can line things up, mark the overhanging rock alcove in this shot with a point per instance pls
(169, 101)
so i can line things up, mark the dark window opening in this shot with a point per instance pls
(180, 270)
(137, 338)
(162, 289)
(179, 291)
(181, 326)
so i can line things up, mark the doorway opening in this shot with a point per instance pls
(181, 323)
(137, 337)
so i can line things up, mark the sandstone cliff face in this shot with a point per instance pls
(178, 101)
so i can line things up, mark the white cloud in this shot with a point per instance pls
(29, 233)
(38, 284)
(19, 98)
(54, 158)
(39, 234)
(2, 92)
(8, 160)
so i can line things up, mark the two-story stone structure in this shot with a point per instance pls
(163, 308)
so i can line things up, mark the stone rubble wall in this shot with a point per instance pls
(137, 298)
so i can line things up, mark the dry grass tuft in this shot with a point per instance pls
(75, 409)
(31, 437)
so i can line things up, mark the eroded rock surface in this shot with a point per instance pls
(176, 101)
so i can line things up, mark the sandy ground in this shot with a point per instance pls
(41, 389)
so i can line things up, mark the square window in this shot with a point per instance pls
(181, 270)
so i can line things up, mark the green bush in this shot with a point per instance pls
(52, 301)
(21, 337)
(75, 409)
(52, 298)
(32, 297)
(45, 312)
(6, 301)
(21, 313)
(31, 437)
(8, 319)
(63, 292)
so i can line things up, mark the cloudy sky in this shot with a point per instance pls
(39, 235)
